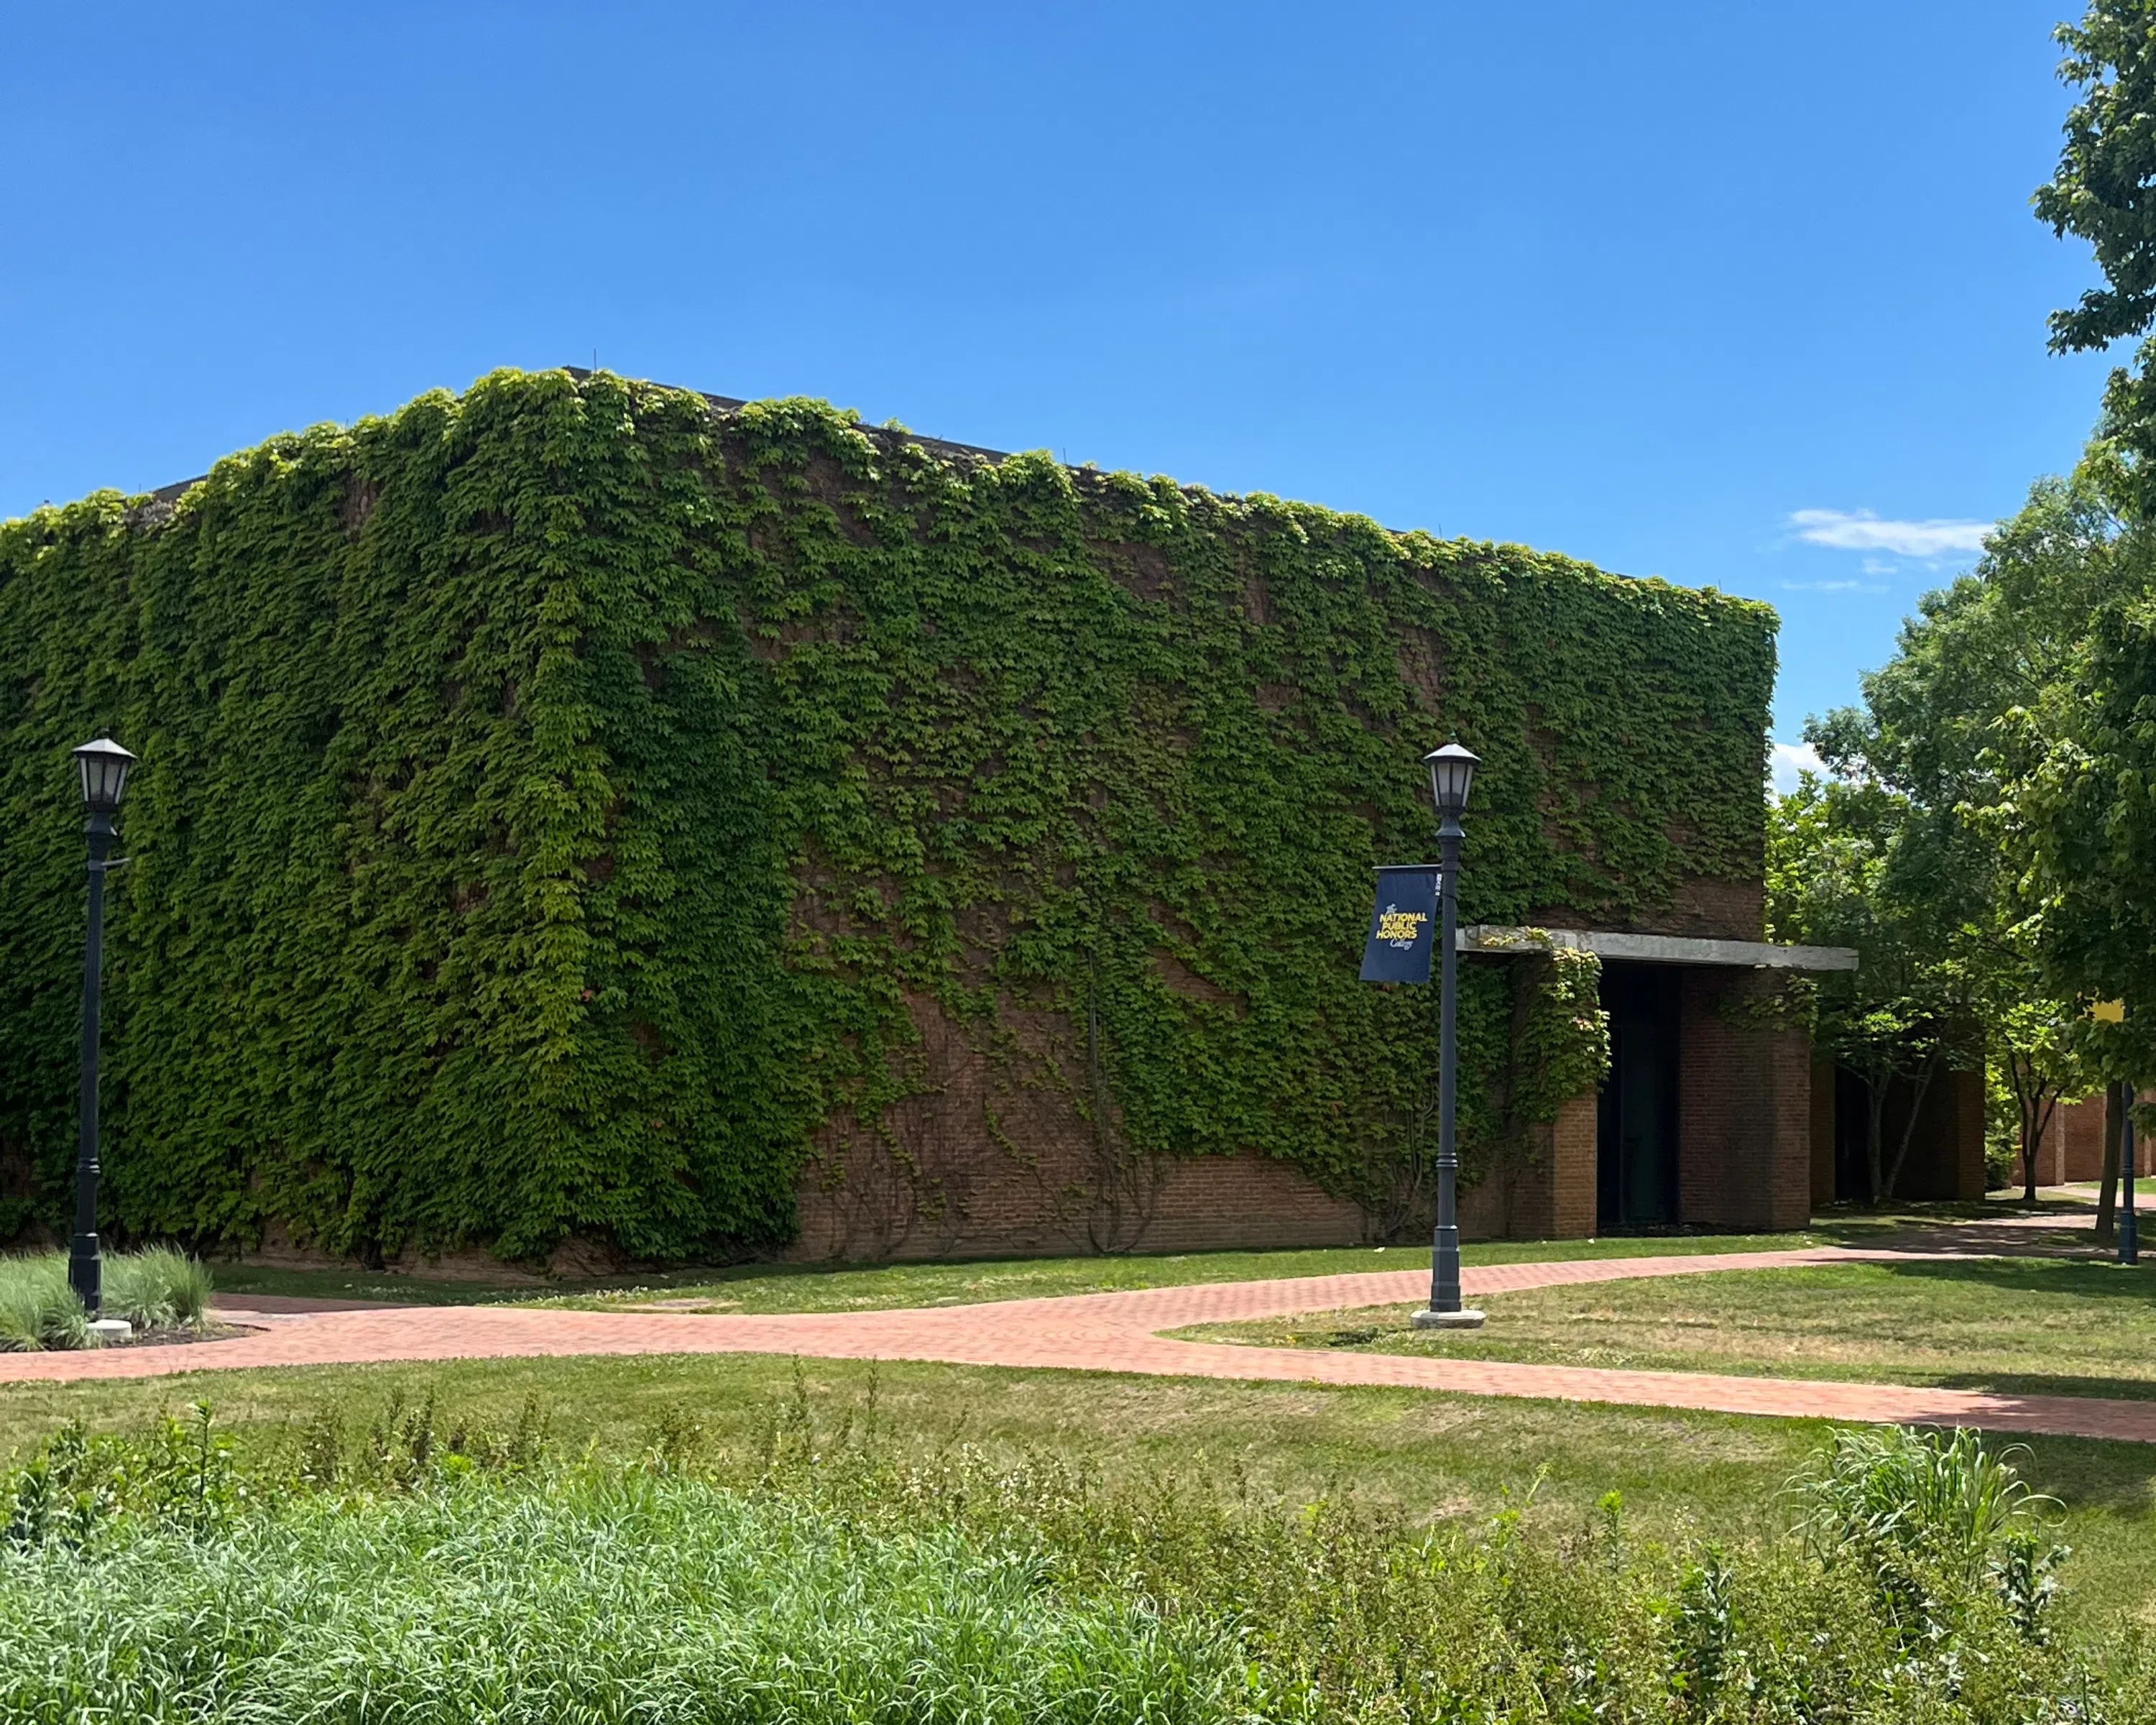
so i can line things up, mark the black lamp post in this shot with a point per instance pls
(104, 765)
(2129, 1242)
(1451, 773)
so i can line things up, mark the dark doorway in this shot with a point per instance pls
(1636, 1139)
(1852, 1123)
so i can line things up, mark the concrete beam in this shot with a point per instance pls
(1661, 948)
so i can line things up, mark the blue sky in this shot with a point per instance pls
(1741, 295)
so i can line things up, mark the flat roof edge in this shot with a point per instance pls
(1661, 948)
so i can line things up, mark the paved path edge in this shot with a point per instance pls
(1119, 1332)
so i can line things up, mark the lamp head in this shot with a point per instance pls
(1451, 773)
(104, 764)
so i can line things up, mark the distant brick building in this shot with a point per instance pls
(2071, 1151)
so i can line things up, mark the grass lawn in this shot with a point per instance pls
(1680, 1473)
(862, 1287)
(2028, 1325)
(823, 1287)
(2056, 1325)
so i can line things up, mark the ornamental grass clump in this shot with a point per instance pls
(37, 1308)
(615, 1596)
(1930, 1518)
(157, 1288)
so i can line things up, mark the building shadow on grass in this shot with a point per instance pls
(2038, 1238)
(2085, 1473)
(2019, 1385)
(2108, 1284)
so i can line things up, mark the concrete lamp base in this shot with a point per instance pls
(112, 1329)
(1447, 1320)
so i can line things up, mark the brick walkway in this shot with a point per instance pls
(1106, 1332)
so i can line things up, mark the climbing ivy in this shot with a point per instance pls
(564, 804)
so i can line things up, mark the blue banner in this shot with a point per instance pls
(1404, 926)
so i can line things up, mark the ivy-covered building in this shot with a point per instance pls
(582, 817)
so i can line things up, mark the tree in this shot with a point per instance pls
(1831, 848)
(2040, 1055)
(1939, 728)
(2104, 191)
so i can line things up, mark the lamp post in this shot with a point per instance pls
(1451, 773)
(104, 764)
(2129, 1243)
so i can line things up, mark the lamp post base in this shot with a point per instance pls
(1427, 1320)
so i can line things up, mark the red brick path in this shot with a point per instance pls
(1112, 1332)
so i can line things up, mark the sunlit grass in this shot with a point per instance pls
(844, 1287)
(2018, 1325)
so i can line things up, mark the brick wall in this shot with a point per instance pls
(1013, 1209)
(982, 1166)
(1550, 1194)
(1199, 1204)
(1962, 1128)
(1744, 1142)
(1946, 1151)
(1010, 1209)
(991, 1159)
(1711, 909)
(2072, 1148)
(1573, 1142)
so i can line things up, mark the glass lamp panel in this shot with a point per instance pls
(1451, 773)
(104, 766)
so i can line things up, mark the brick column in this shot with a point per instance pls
(1964, 1092)
(1744, 1087)
(1573, 1147)
(1549, 1192)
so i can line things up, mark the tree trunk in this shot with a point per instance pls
(2114, 1122)
(2028, 1150)
(2051, 1098)
(2022, 1076)
(1909, 1125)
(2038, 1101)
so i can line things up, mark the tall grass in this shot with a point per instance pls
(620, 1598)
(160, 1287)
(420, 1569)
(37, 1308)
(1928, 1516)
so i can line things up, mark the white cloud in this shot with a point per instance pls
(1831, 586)
(1859, 530)
(1786, 760)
